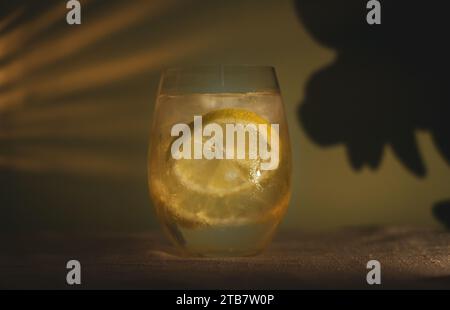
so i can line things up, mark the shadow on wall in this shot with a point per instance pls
(75, 108)
(387, 82)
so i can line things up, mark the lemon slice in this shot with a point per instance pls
(222, 177)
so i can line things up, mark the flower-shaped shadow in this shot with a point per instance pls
(387, 80)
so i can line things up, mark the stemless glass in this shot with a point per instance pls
(219, 161)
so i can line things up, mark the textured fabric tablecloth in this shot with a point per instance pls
(410, 258)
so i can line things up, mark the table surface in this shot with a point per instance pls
(409, 257)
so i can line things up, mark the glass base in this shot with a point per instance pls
(229, 241)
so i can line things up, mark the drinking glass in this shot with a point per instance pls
(219, 166)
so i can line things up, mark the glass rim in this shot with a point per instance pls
(217, 78)
(217, 66)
